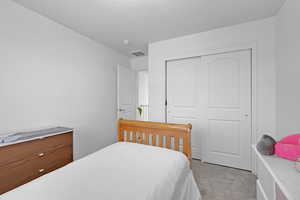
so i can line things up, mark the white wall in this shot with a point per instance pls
(139, 63)
(259, 34)
(50, 75)
(288, 68)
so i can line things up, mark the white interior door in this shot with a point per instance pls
(183, 102)
(126, 93)
(228, 134)
(143, 95)
(214, 94)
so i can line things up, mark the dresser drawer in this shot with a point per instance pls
(20, 172)
(52, 159)
(17, 152)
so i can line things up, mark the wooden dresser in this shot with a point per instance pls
(33, 155)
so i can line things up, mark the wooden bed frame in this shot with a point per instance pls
(171, 136)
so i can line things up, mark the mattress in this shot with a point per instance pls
(122, 171)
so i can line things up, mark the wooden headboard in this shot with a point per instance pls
(171, 136)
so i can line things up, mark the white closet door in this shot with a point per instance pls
(214, 94)
(182, 96)
(227, 139)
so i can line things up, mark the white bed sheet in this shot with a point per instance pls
(122, 171)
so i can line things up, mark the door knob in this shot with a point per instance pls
(121, 110)
(41, 154)
(246, 115)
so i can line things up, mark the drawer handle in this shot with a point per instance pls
(41, 154)
(41, 170)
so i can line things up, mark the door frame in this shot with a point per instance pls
(214, 51)
(137, 88)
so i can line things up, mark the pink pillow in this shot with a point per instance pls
(289, 147)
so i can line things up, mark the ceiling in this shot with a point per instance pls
(144, 21)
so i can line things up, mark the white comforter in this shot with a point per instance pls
(122, 171)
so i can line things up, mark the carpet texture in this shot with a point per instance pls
(224, 183)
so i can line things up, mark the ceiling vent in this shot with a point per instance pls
(138, 53)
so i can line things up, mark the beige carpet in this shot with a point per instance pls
(223, 183)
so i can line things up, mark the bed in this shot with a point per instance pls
(151, 161)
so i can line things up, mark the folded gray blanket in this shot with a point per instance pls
(11, 138)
